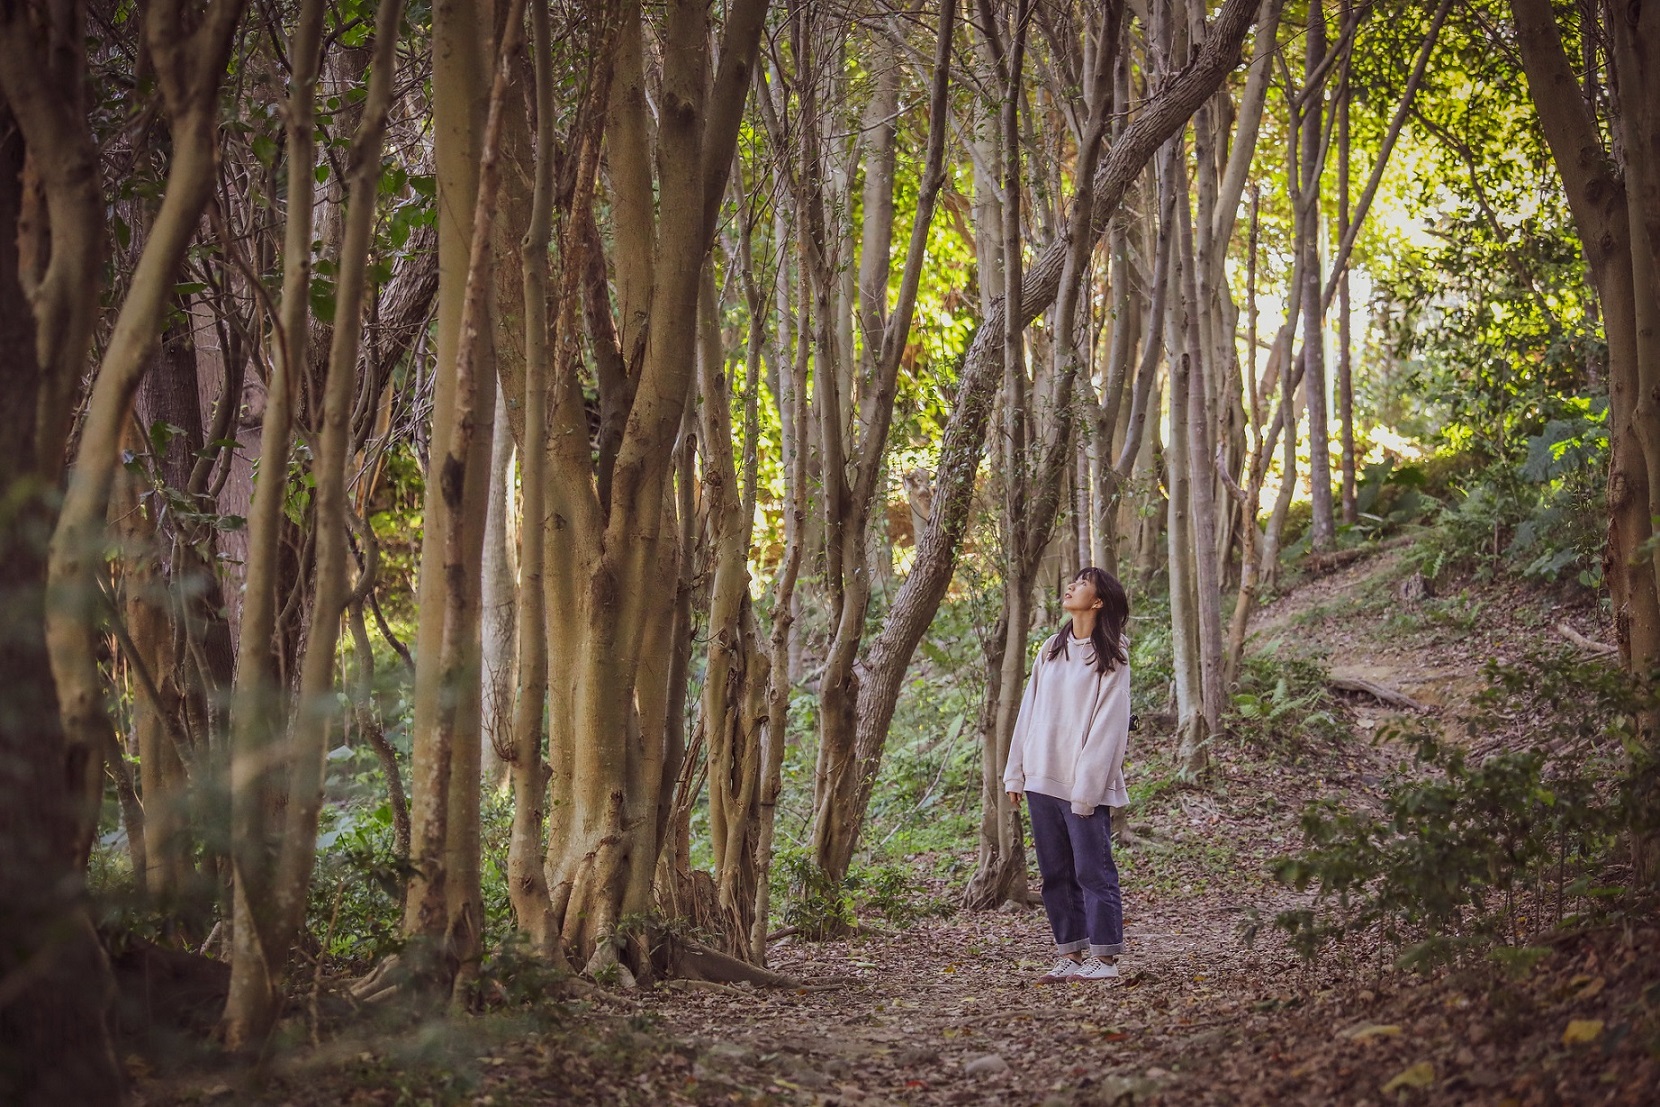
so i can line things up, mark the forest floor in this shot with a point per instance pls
(1205, 1012)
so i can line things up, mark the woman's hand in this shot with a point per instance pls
(1014, 799)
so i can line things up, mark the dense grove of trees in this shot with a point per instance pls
(642, 364)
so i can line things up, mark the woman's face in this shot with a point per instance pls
(1080, 596)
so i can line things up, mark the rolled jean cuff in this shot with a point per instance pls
(1072, 947)
(1105, 951)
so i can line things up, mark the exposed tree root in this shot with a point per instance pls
(165, 988)
(680, 958)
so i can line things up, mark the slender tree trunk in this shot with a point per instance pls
(526, 881)
(852, 475)
(1202, 415)
(1192, 720)
(497, 602)
(1324, 527)
(792, 379)
(54, 1041)
(258, 756)
(1345, 365)
(253, 999)
(444, 905)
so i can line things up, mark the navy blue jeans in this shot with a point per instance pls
(1080, 881)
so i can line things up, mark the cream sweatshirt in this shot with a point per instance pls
(1073, 726)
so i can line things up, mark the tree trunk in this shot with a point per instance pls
(444, 903)
(1202, 415)
(498, 598)
(258, 757)
(527, 883)
(256, 971)
(735, 675)
(1345, 365)
(1597, 198)
(852, 469)
(612, 642)
(54, 1041)
(1324, 528)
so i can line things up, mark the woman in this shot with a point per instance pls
(1067, 757)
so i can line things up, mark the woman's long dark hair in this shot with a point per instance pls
(1107, 639)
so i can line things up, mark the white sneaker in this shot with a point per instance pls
(1093, 968)
(1064, 970)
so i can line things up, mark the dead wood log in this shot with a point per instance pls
(1336, 559)
(1380, 692)
(1589, 645)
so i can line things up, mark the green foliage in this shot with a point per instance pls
(1285, 704)
(820, 908)
(1152, 654)
(1389, 496)
(1469, 854)
(1541, 516)
(513, 976)
(1567, 463)
(355, 907)
(818, 905)
(894, 892)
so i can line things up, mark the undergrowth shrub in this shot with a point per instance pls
(355, 910)
(894, 892)
(817, 906)
(1542, 518)
(1471, 855)
(820, 908)
(1284, 704)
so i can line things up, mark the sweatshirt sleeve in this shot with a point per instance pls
(1098, 776)
(1014, 773)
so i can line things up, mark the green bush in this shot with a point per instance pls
(818, 906)
(1542, 517)
(1284, 704)
(356, 902)
(1471, 856)
(1389, 496)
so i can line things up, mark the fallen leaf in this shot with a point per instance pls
(1581, 1031)
(1421, 1075)
(1590, 988)
(1370, 1031)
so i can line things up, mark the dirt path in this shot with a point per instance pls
(947, 1013)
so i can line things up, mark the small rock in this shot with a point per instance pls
(986, 1065)
(1124, 1089)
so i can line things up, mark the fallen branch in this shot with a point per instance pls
(1336, 559)
(1379, 692)
(1589, 645)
